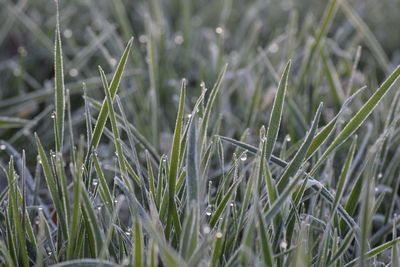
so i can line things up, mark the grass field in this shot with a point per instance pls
(199, 133)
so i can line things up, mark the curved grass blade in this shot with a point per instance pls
(316, 185)
(367, 34)
(360, 116)
(10, 122)
(326, 131)
(111, 113)
(113, 88)
(86, 263)
(51, 183)
(210, 103)
(298, 158)
(276, 114)
(375, 251)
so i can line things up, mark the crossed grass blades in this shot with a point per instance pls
(272, 204)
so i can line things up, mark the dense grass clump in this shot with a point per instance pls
(271, 152)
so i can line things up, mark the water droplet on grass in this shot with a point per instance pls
(73, 72)
(273, 48)
(219, 30)
(22, 51)
(67, 33)
(2, 147)
(219, 235)
(243, 157)
(178, 39)
(143, 39)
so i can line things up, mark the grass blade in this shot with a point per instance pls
(360, 116)
(191, 165)
(276, 114)
(174, 160)
(102, 117)
(59, 87)
(301, 153)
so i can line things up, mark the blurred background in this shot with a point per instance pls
(177, 39)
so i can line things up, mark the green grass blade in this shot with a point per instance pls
(14, 212)
(210, 104)
(52, 186)
(102, 117)
(367, 34)
(375, 251)
(10, 122)
(316, 185)
(174, 160)
(276, 114)
(86, 263)
(59, 87)
(76, 216)
(192, 179)
(360, 116)
(267, 253)
(117, 143)
(344, 175)
(297, 160)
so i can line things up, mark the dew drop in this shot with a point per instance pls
(219, 30)
(128, 233)
(273, 48)
(288, 138)
(40, 209)
(283, 245)
(113, 62)
(209, 210)
(53, 115)
(73, 72)
(243, 157)
(116, 201)
(2, 147)
(380, 175)
(189, 116)
(219, 235)
(206, 230)
(67, 33)
(143, 39)
(95, 182)
(17, 72)
(178, 39)
(203, 84)
(22, 51)
(376, 189)
(99, 208)
(232, 204)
